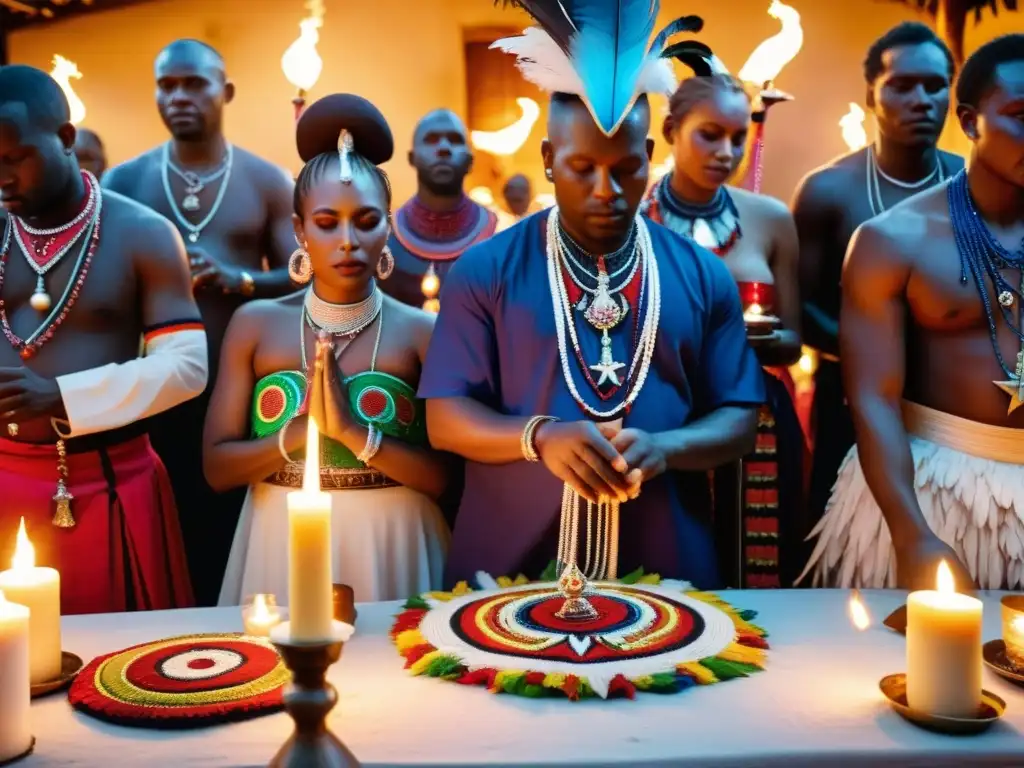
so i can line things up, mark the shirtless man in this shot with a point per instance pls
(84, 273)
(439, 222)
(908, 72)
(933, 373)
(234, 211)
(89, 150)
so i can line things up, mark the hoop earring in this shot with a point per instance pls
(386, 264)
(300, 269)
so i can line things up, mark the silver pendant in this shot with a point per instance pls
(1006, 299)
(190, 203)
(193, 237)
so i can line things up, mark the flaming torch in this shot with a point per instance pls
(763, 66)
(63, 70)
(852, 125)
(301, 63)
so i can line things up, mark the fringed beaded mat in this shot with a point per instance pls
(183, 682)
(650, 635)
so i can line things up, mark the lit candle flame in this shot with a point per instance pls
(769, 58)
(852, 125)
(508, 140)
(260, 611)
(311, 471)
(24, 553)
(301, 62)
(755, 309)
(1018, 624)
(63, 70)
(944, 581)
(859, 612)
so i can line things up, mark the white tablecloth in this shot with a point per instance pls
(817, 704)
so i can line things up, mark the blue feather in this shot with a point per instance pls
(609, 53)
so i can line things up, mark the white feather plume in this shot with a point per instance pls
(541, 61)
(657, 77)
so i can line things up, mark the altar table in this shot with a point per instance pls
(817, 704)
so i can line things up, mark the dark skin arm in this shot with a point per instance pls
(230, 458)
(872, 343)
(575, 452)
(165, 294)
(416, 467)
(783, 349)
(815, 220)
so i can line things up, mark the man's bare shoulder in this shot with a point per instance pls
(903, 232)
(122, 176)
(262, 173)
(829, 185)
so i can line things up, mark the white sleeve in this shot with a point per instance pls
(173, 369)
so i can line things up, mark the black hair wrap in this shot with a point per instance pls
(322, 123)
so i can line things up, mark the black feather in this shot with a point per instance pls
(551, 15)
(685, 24)
(693, 54)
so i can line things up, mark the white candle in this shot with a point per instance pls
(309, 551)
(15, 696)
(261, 616)
(944, 650)
(38, 589)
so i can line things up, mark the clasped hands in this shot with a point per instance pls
(327, 402)
(600, 461)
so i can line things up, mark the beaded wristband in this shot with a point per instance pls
(526, 443)
(373, 440)
(280, 440)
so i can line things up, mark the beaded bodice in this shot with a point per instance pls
(374, 397)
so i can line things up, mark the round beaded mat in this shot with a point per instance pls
(648, 635)
(183, 682)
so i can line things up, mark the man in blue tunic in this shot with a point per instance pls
(556, 368)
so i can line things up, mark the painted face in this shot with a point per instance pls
(345, 228)
(34, 164)
(191, 92)
(599, 180)
(910, 98)
(709, 142)
(997, 125)
(440, 153)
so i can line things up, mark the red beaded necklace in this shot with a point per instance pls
(53, 245)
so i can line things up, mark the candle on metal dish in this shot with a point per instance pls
(38, 589)
(944, 649)
(1013, 629)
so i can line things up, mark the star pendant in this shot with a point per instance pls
(1015, 386)
(608, 372)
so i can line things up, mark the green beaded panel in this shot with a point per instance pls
(385, 400)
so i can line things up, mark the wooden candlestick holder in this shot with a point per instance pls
(308, 699)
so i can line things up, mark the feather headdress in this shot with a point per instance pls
(599, 50)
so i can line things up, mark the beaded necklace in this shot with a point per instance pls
(32, 343)
(982, 257)
(715, 226)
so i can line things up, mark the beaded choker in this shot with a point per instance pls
(343, 319)
(715, 226)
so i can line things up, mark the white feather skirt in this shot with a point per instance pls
(976, 505)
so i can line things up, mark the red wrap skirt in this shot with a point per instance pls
(125, 551)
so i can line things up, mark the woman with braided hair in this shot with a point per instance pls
(350, 357)
(754, 235)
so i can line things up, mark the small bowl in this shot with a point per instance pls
(70, 666)
(994, 654)
(894, 688)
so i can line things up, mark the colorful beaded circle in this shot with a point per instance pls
(278, 397)
(183, 682)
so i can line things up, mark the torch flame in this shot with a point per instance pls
(63, 70)
(859, 612)
(301, 63)
(260, 611)
(768, 59)
(852, 124)
(24, 553)
(944, 581)
(311, 471)
(508, 140)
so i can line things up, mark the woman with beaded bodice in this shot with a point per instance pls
(390, 538)
(707, 126)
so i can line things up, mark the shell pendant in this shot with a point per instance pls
(40, 300)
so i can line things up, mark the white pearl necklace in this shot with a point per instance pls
(875, 188)
(343, 319)
(565, 326)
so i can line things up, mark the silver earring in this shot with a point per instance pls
(548, 175)
(300, 269)
(386, 264)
